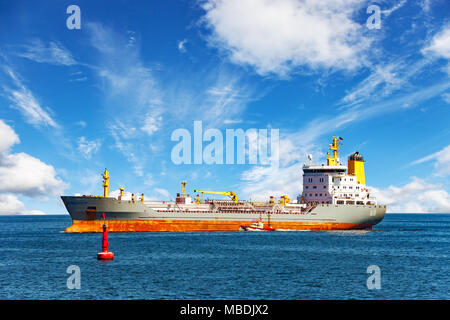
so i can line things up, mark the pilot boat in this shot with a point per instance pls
(256, 226)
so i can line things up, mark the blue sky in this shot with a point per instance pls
(74, 101)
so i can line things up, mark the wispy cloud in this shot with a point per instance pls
(133, 99)
(87, 148)
(53, 53)
(162, 192)
(125, 142)
(387, 12)
(446, 97)
(181, 45)
(441, 159)
(24, 100)
(384, 80)
(216, 97)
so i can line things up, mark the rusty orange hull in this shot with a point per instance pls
(81, 226)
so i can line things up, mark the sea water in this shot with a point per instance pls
(410, 251)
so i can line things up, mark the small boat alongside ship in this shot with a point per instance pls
(334, 197)
(257, 225)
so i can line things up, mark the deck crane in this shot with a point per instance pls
(233, 196)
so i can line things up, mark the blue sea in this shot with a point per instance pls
(410, 250)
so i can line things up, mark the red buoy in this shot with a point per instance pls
(105, 254)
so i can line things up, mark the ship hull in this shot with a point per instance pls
(129, 216)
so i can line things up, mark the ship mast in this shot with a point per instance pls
(334, 161)
(105, 183)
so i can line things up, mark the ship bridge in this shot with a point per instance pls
(324, 169)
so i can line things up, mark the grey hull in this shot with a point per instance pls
(92, 208)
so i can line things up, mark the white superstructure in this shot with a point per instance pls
(336, 183)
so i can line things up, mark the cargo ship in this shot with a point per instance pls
(334, 197)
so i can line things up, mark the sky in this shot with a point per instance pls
(108, 85)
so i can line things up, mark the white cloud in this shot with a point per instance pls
(163, 192)
(81, 79)
(91, 181)
(8, 137)
(55, 53)
(181, 45)
(279, 36)
(440, 44)
(87, 148)
(284, 178)
(116, 193)
(262, 182)
(417, 196)
(9, 204)
(426, 5)
(231, 121)
(442, 161)
(152, 123)
(24, 101)
(82, 124)
(24, 174)
(446, 97)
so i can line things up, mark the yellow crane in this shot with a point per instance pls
(233, 196)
